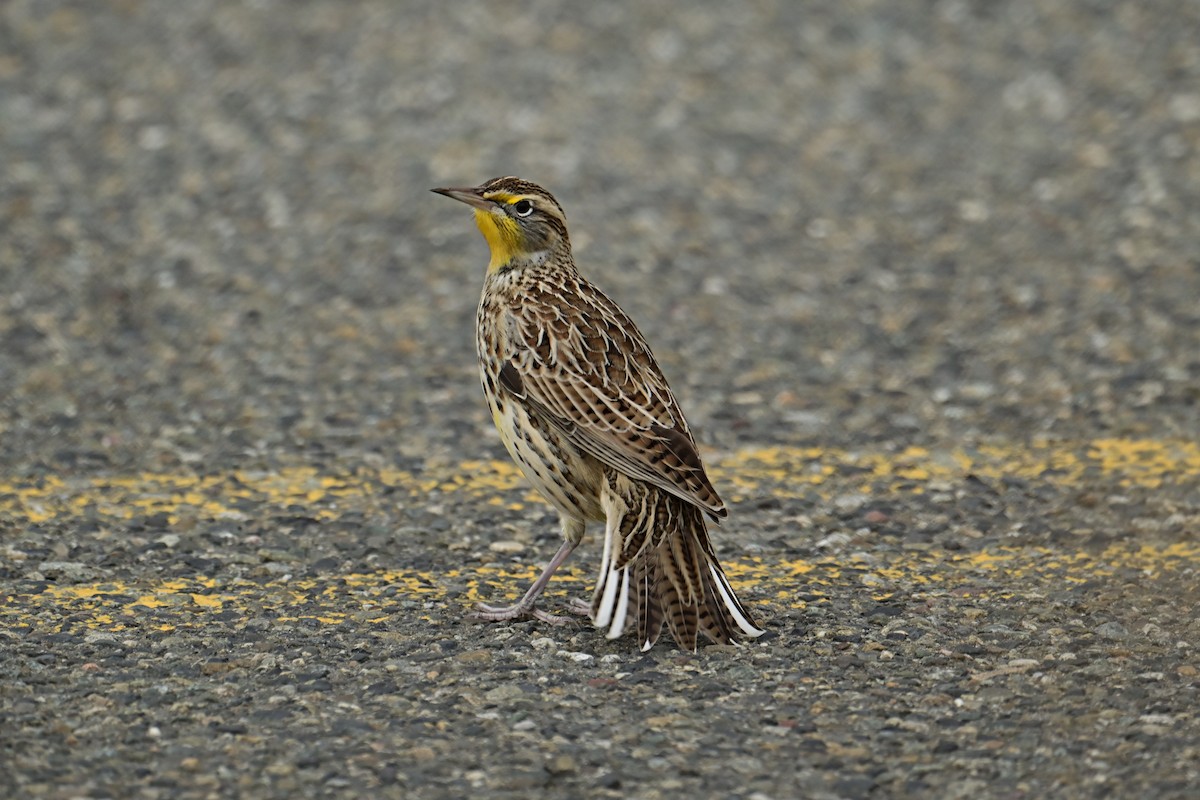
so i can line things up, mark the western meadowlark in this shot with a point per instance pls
(586, 413)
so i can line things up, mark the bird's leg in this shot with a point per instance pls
(525, 606)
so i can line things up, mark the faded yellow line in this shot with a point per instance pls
(375, 600)
(784, 472)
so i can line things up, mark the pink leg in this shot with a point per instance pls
(525, 607)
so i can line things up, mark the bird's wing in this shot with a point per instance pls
(586, 370)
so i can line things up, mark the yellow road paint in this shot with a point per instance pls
(375, 599)
(1171, 467)
(784, 472)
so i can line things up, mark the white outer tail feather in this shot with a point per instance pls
(612, 585)
(622, 612)
(731, 603)
(605, 581)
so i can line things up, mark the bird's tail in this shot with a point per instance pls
(658, 568)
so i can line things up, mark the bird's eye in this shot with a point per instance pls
(523, 208)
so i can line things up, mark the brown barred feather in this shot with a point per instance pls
(649, 607)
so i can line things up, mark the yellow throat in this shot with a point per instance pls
(503, 237)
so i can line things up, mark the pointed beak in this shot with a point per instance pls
(471, 197)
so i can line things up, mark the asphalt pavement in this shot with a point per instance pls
(924, 276)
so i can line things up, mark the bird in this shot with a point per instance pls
(583, 408)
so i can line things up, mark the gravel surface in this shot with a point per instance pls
(923, 274)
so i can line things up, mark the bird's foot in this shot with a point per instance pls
(485, 613)
(579, 607)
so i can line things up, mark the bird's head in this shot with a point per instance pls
(521, 221)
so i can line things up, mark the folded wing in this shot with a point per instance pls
(589, 372)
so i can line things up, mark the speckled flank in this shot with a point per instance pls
(174, 603)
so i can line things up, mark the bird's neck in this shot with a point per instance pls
(557, 259)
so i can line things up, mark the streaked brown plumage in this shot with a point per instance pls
(585, 411)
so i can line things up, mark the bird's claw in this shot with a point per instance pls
(579, 607)
(487, 613)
